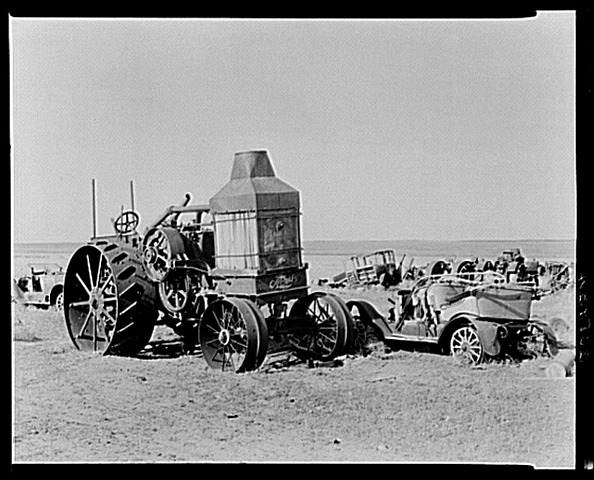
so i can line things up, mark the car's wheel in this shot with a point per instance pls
(465, 344)
(59, 303)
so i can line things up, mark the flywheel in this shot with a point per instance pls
(109, 301)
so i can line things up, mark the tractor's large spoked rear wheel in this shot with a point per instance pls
(230, 336)
(329, 332)
(108, 301)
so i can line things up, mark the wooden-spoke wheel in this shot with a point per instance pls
(108, 304)
(328, 331)
(465, 343)
(230, 336)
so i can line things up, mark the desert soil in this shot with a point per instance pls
(396, 406)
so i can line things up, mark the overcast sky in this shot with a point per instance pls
(416, 129)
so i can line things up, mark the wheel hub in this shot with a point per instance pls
(224, 336)
(150, 254)
(96, 299)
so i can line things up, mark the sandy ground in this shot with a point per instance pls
(398, 406)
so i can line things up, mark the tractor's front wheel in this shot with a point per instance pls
(230, 336)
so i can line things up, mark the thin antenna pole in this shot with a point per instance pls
(94, 195)
(132, 195)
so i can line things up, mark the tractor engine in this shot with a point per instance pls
(251, 243)
(257, 234)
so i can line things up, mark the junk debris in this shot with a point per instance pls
(42, 287)
(472, 320)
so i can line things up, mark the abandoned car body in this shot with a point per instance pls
(43, 287)
(472, 320)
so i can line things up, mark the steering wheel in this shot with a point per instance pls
(126, 223)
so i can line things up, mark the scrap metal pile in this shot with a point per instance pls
(382, 268)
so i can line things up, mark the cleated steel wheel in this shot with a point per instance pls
(330, 331)
(263, 332)
(229, 336)
(465, 343)
(108, 301)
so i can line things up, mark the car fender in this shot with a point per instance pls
(56, 290)
(370, 315)
(487, 332)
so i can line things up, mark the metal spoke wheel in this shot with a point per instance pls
(229, 336)
(465, 343)
(108, 303)
(350, 322)
(177, 293)
(328, 334)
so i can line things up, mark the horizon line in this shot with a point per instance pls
(360, 240)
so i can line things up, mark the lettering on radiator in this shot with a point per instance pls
(281, 282)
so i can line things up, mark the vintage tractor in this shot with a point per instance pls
(471, 319)
(227, 280)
